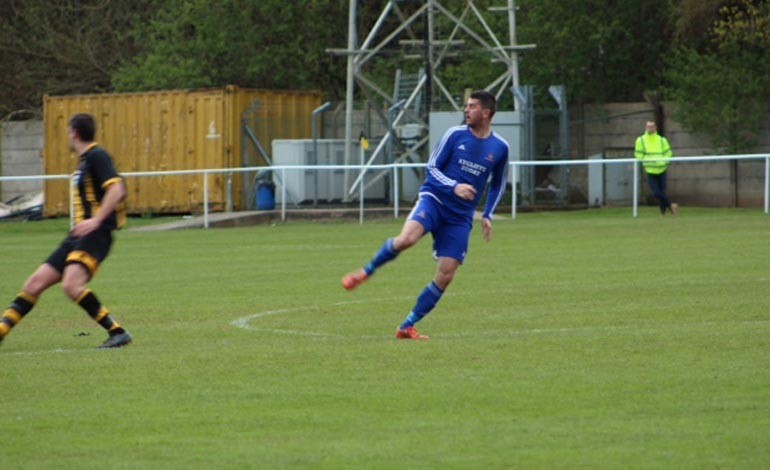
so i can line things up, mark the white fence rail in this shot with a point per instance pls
(395, 168)
(636, 163)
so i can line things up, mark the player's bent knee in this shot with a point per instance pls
(72, 289)
(444, 279)
(75, 280)
(446, 272)
(403, 242)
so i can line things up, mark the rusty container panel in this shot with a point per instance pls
(167, 131)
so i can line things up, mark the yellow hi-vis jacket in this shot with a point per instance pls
(652, 146)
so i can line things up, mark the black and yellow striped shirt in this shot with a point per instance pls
(94, 175)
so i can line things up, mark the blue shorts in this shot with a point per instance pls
(451, 232)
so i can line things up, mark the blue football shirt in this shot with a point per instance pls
(461, 157)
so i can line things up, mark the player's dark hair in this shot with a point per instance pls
(487, 100)
(85, 126)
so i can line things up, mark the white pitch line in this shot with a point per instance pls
(245, 323)
(49, 351)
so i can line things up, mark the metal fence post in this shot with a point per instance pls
(396, 190)
(361, 196)
(767, 184)
(230, 191)
(283, 194)
(636, 190)
(514, 171)
(205, 199)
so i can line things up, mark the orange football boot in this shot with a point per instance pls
(409, 333)
(354, 279)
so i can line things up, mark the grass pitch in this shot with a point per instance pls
(586, 339)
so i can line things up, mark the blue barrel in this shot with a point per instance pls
(265, 196)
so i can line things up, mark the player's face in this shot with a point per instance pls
(474, 113)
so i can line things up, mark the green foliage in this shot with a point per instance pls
(723, 97)
(691, 20)
(723, 89)
(743, 24)
(62, 47)
(553, 348)
(602, 51)
(196, 43)
(599, 57)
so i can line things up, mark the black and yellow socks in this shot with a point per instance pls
(20, 306)
(101, 315)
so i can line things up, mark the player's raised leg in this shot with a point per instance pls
(410, 234)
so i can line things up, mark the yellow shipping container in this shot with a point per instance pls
(174, 130)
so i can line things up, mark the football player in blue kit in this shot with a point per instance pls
(468, 158)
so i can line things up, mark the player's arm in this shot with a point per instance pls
(438, 159)
(104, 173)
(441, 153)
(494, 195)
(496, 188)
(114, 195)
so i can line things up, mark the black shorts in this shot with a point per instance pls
(89, 251)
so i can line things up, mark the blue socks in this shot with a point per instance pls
(427, 299)
(385, 254)
(425, 303)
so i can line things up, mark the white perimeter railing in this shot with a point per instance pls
(396, 167)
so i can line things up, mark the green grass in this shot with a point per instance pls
(583, 339)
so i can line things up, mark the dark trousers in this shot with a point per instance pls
(658, 186)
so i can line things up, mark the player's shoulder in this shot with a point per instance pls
(454, 130)
(96, 152)
(100, 160)
(101, 156)
(453, 134)
(499, 139)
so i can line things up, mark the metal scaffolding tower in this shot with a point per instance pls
(404, 24)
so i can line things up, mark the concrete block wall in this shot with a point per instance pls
(612, 128)
(608, 126)
(617, 125)
(20, 146)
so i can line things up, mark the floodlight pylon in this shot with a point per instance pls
(435, 50)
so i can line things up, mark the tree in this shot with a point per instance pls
(62, 46)
(250, 43)
(721, 87)
(600, 50)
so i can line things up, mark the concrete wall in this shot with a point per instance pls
(20, 147)
(612, 128)
(616, 125)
